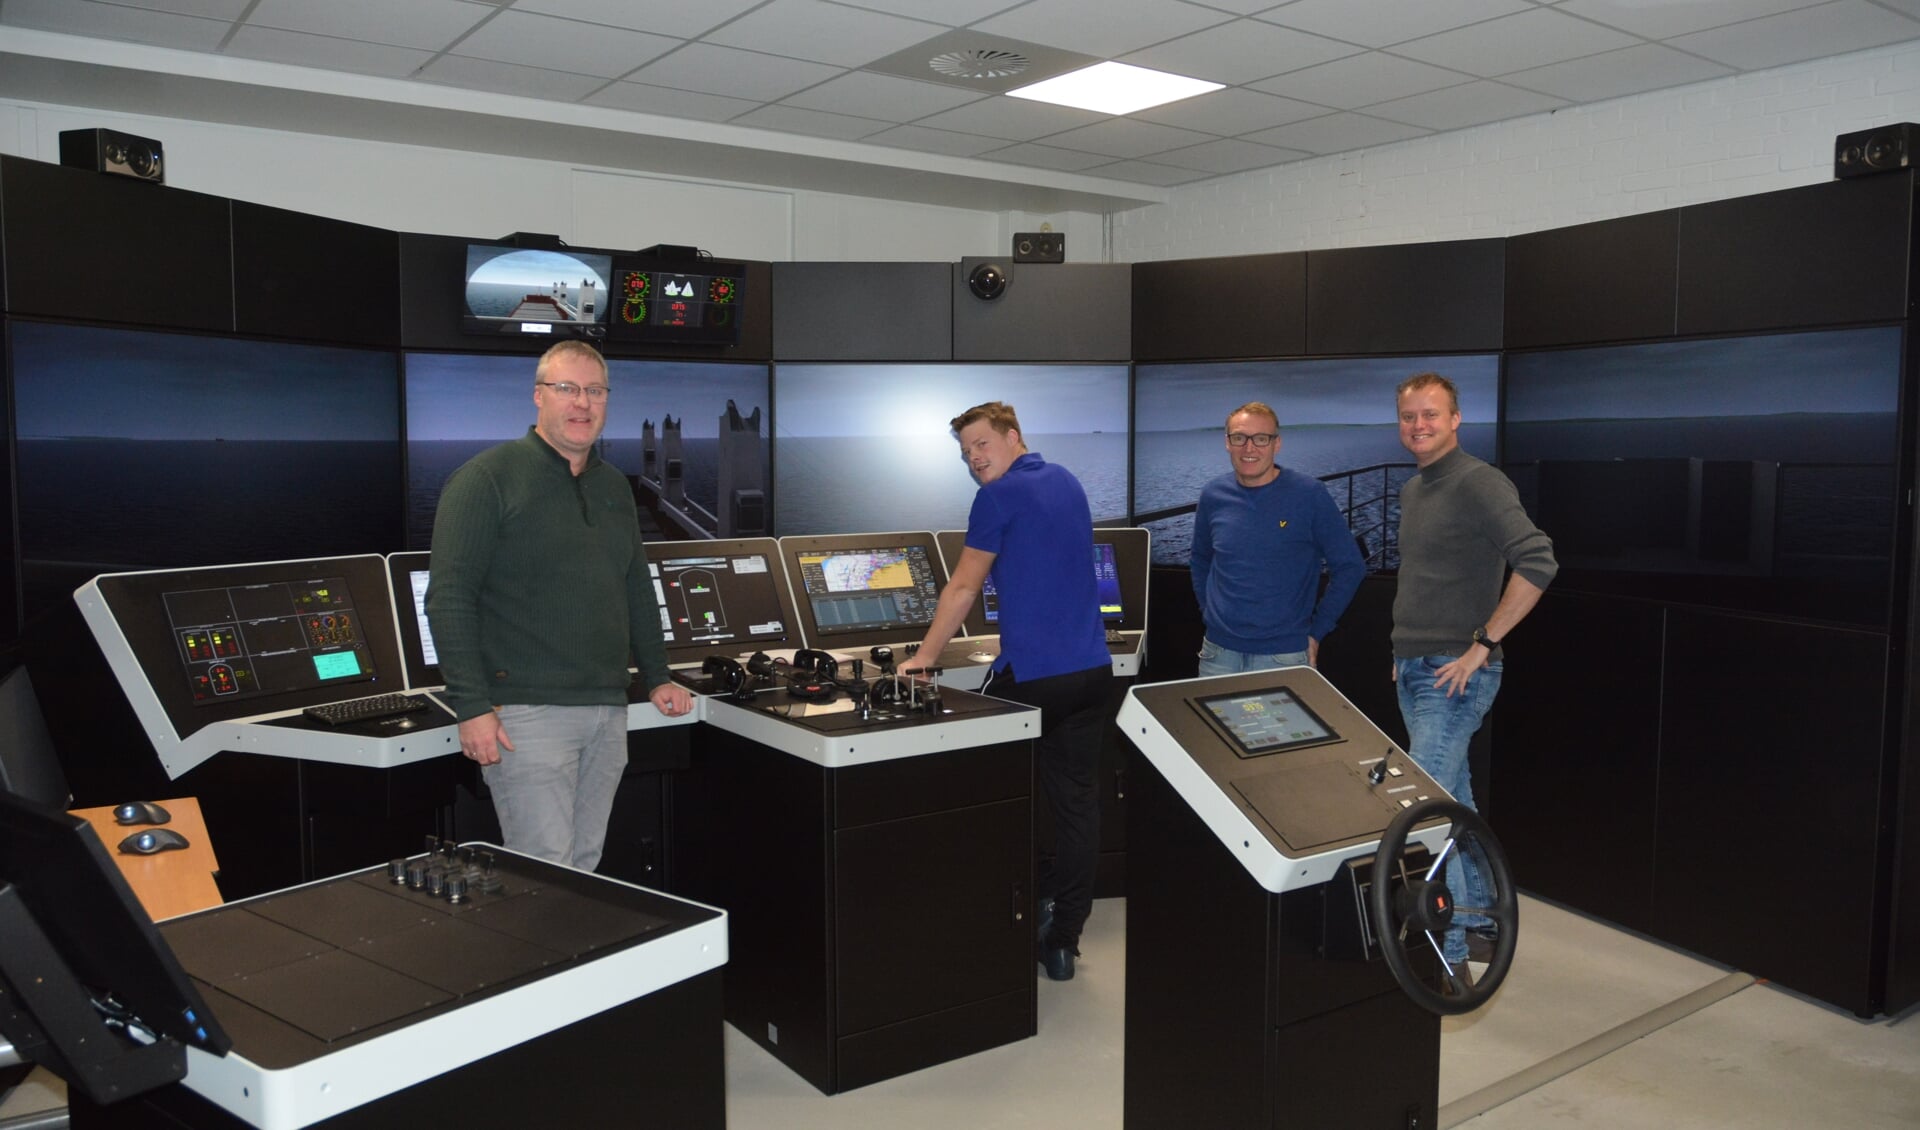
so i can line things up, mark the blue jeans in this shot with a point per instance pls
(1438, 730)
(553, 791)
(1217, 660)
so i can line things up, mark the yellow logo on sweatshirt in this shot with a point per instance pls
(1283, 523)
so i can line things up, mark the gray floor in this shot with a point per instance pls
(1594, 1027)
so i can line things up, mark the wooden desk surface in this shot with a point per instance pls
(171, 882)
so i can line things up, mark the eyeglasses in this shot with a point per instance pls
(1258, 439)
(570, 390)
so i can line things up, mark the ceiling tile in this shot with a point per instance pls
(1046, 157)
(1378, 23)
(954, 13)
(563, 45)
(936, 141)
(669, 103)
(108, 21)
(684, 20)
(1362, 80)
(1615, 74)
(1109, 30)
(1458, 107)
(814, 123)
(1230, 156)
(733, 73)
(1146, 172)
(427, 24)
(1337, 133)
(1663, 21)
(509, 78)
(1016, 119)
(1230, 112)
(1810, 33)
(869, 95)
(826, 33)
(1512, 43)
(1239, 52)
(1124, 137)
(211, 9)
(325, 51)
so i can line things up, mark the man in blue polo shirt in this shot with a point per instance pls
(1032, 531)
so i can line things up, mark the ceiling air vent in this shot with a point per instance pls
(980, 63)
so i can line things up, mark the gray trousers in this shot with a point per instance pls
(553, 791)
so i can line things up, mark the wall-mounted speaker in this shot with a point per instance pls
(110, 151)
(1879, 150)
(1040, 247)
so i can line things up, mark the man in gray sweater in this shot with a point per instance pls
(1461, 529)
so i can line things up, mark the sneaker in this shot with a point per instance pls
(1480, 946)
(1057, 963)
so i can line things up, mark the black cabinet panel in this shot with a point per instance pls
(107, 248)
(863, 311)
(1821, 255)
(1768, 837)
(433, 273)
(1406, 298)
(1245, 306)
(1575, 754)
(308, 277)
(1049, 312)
(1607, 281)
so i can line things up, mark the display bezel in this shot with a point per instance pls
(1205, 705)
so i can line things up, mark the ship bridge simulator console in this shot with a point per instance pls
(1286, 901)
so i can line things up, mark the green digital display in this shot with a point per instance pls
(336, 665)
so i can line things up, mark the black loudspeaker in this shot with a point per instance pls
(1882, 149)
(110, 151)
(1040, 247)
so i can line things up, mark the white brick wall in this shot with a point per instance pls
(1730, 137)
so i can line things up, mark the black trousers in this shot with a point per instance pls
(1073, 721)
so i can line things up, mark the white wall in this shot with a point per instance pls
(452, 192)
(1730, 137)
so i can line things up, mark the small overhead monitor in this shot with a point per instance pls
(858, 590)
(536, 293)
(724, 596)
(407, 574)
(1262, 722)
(97, 996)
(695, 301)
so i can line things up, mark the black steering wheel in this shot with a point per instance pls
(1415, 910)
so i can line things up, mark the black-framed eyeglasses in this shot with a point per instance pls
(570, 390)
(1257, 439)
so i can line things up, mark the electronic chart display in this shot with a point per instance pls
(1262, 722)
(865, 588)
(722, 597)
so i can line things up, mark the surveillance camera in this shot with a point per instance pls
(987, 281)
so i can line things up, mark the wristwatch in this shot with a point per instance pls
(1481, 637)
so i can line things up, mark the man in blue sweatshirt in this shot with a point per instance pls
(1260, 537)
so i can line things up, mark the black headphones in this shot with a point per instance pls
(729, 678)
(823, 666)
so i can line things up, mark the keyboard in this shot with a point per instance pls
(367, 709)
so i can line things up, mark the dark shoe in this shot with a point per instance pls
(1057, 963)
(1480, 946)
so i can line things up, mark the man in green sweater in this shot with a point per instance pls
(539, 599)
